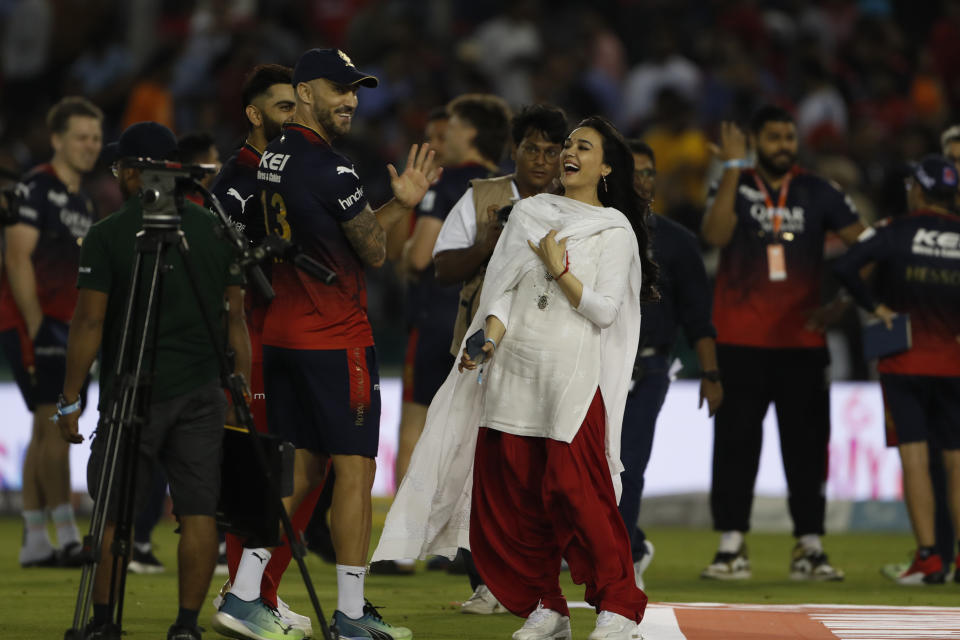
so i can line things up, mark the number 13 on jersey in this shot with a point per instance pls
(275, 215)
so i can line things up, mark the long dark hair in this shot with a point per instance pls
(617, 191)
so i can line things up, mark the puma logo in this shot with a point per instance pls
(342, 170)
(355, 575)
(259, 557)
(243, 201)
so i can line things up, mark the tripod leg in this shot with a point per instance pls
(122, 436)
(238, 392)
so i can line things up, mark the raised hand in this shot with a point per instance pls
(733, 144)
(421, 171)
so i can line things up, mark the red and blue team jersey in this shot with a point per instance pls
(238, 192)
(308, 190)
(432, 306)
(750, 309)
(918, 273)
(62, 219)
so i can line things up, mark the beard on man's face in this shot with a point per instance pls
(271, 128)
(331, 123)
(777, 164)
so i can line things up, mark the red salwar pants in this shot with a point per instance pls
(537, 500)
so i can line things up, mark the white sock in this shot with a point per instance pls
(250, 574)
(62, 517)
(811, 542)
(36, 542)
(350, 590)
(730, 541)
(406, 562)
(143, 547)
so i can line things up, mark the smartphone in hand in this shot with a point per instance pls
(474, 345)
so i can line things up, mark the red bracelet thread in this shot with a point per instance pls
(566, 267)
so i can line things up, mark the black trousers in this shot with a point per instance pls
(795, 380)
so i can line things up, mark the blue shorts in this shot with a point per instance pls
(921, 409)
(326, 401)
(427, 364)
(44, 384)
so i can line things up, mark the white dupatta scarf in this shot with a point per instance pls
(431, 512)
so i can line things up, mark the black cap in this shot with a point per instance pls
(937, 175)
(144, 140)
(332, 64)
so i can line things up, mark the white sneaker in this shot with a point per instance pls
(641, 565)
(613, 626)
(294, 619)
(482, 602)
(544, 624)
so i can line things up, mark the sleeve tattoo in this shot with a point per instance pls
(367, 237)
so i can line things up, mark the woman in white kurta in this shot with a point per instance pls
(523, 465)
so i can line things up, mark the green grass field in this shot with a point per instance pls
(38, 603)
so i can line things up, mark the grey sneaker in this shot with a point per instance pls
(729, 566)
(811, 565)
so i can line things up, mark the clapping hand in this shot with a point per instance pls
(421, 171)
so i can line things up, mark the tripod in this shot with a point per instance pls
(130, 400)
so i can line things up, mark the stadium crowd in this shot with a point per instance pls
(778, 133)
(872, 83)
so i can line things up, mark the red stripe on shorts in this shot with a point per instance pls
(359, 384)
(408, 361)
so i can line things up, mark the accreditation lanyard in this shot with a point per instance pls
(776, 258)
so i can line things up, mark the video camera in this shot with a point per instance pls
(163, 186)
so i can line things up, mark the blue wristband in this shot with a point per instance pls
(737, 163)
(67, 409)
(491, 341)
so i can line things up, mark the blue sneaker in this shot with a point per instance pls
(252, 621)
(369, 626)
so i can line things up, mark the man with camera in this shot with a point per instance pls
(51, 215)
(320, 368)
(183, 430)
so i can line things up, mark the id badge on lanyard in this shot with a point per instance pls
(776, 256)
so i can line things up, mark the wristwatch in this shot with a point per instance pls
(713, 375)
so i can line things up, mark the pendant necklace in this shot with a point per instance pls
(543, 299)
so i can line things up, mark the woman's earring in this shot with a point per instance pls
(603, 179)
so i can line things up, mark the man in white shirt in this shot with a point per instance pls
(470, 233)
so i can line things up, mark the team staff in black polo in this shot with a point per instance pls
(770, 223)
(684, 302)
